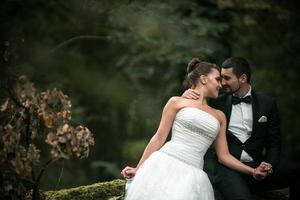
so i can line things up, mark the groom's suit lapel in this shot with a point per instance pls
(228, 106)
(255, 112)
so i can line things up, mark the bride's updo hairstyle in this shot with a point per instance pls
(195, 69)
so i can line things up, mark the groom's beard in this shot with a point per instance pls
(227, 90)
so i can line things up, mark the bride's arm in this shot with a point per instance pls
(160, 136)
(224, 156)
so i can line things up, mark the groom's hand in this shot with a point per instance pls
(267, 167)
(191, 94)
(259, 174)
(262, 171)
(128, 172)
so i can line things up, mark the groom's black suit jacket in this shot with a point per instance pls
(265, 141)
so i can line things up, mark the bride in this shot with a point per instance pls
(174, 170)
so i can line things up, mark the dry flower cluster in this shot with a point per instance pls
(26, 114)
(67, 141)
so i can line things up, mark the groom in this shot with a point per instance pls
(253, 136)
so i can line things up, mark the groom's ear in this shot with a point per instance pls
(243, 78)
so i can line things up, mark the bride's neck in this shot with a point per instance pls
(202, 97)
(202, 101)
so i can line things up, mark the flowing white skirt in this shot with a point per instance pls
(164, 177)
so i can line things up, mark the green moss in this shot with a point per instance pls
(114, 190)
(97, 191)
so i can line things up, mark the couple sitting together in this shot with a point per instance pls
(242, 126)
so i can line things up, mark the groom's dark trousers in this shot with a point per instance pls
(235, 185)
(263, 145)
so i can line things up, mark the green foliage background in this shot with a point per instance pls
(120, 61)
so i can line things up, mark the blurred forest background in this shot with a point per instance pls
(120, 61)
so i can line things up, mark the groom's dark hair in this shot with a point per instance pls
(239, 66)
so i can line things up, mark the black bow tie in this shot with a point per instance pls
(237, 100)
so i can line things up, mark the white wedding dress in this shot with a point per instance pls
(175, 172)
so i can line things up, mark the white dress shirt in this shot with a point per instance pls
(240, 124)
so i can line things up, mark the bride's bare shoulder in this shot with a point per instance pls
(220, 115)
(176, 101)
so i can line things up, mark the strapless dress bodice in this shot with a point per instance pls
(193, 132)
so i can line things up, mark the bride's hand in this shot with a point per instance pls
(191, 94)
(128, 172)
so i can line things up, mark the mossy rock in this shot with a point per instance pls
(98, 191)
(114, 190)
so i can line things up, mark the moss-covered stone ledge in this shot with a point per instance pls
(114, 190)
(98, 191)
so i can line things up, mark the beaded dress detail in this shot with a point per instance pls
(175, 172)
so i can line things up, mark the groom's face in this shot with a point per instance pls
(230, 82)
